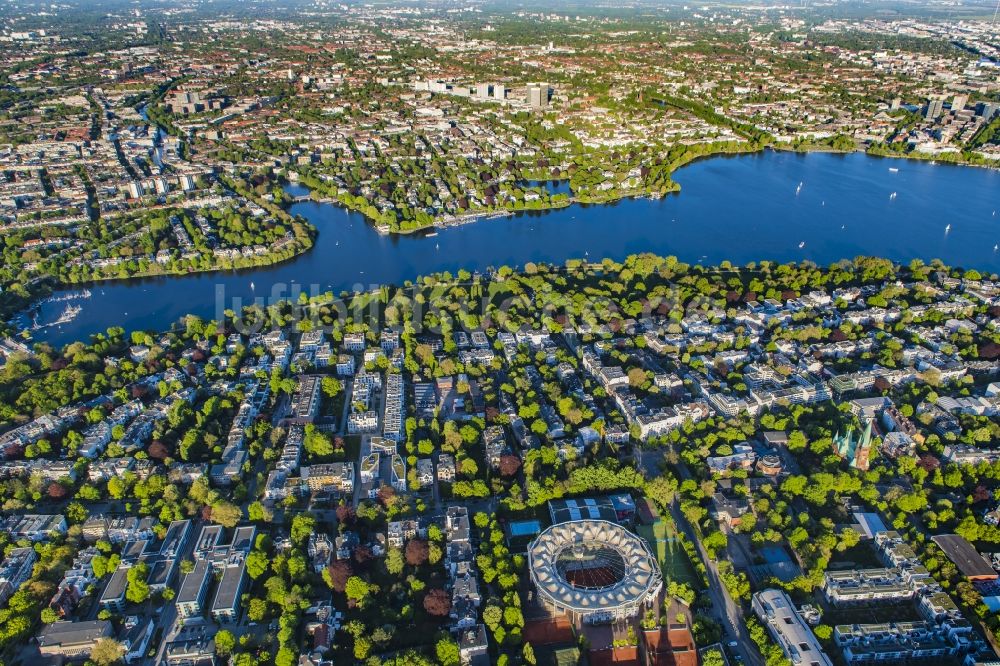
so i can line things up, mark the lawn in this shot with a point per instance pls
(670, 553)
(860, 556)
(352, 448)
(550, 656)
(334, 407)
(874, 615)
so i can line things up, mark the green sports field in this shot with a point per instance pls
(673, 560)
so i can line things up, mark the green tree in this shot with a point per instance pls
(362, 647)
(394, 561)
(302, 526)
(226, 514)
(257, 563)
(257, 610)
(107, 651)
(712, 657)
(529, 654)
(224, 642)
(285, 657)
(258, 513)
(316, 443)
(137, 589)
(358, 590)
(331, 387)
(447, 652)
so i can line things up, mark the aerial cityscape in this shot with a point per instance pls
(472, 332)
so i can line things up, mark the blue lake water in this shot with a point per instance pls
(553, 186)
(741, 208)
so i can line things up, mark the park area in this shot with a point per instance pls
(662, 538)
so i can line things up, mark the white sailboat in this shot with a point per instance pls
(947, 228)
(798, 189)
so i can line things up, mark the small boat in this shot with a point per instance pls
(893, 170)
(892, 197)
(251, 285)
(996, 247)
(802, 245)
(432, 234)
(947, 228)
(798, 189)
(437, 246)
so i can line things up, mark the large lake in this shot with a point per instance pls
(778, 206)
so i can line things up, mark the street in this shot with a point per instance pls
(730, 612)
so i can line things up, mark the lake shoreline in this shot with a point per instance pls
(471, 217)
(741, 209)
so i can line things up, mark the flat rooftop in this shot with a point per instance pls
(194, 583)
(965, 556)
(229, 587)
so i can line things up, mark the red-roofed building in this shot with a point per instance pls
(670, 646)
(321, 637)
(621, 656)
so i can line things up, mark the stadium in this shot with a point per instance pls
(596, 571)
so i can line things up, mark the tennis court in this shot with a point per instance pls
(524, 528)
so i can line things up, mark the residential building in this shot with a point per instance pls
(446, 468)
(338, 476)
(897, 642)
(362, 422)
(113, 597)
(190, 599)
(34, 527)
(965, 556)
(226, 604)
(867, 586)
(306, 400)
(72, 640)
(15, 571)
(788, 629)
(473, 646)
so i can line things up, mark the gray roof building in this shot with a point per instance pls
(72, 640)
